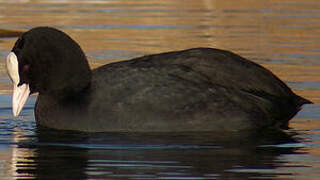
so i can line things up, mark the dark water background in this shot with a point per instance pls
(281, 35)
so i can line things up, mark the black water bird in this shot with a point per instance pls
(200, 89)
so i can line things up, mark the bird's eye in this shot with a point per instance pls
(26, 68)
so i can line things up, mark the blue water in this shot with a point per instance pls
(283, 36)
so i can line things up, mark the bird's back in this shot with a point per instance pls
(192, 90)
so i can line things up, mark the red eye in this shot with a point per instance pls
(26, 68)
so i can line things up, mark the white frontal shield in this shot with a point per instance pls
(20, 93)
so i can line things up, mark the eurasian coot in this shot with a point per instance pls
(200, 89)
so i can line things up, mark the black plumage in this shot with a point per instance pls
(200, 89)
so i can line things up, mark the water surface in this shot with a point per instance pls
(280, 35)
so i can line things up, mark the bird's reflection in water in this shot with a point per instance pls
(70, 155)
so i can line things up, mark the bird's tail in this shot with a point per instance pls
(300, 101)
